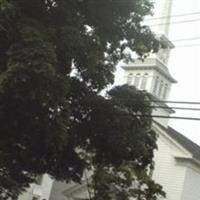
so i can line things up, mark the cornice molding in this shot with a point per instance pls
(158, 66)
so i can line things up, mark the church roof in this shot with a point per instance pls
(192, 147)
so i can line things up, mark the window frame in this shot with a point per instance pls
(156, 83)
(144, 81)
(129, 79)
(137, 80)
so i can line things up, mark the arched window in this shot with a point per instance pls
(160, 89)
(144, 81)
(137, 80)
(156, 82)
(165, 91)
(129, 79)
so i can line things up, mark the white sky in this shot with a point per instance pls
(184, 65)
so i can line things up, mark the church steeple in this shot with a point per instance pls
(160, 22)
(152, 74)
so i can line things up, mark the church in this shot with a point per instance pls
(177, 166)
(177, 160)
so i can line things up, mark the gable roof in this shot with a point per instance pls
(192, 147)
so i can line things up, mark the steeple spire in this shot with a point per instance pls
(162, 17)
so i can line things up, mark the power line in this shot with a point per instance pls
(167, 107)
(176, 108)
(179, 102)
(166, 101)
(168, 117)
(173, 117)
(177, 22)
(186, 39)
(160, 116)
(189, 45)
(169, 16)
(172, 16)
(164, 116)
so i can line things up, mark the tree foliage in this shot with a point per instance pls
(56, 56)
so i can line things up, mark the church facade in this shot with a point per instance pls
(177, 169)
(177, 164)
(177, 160)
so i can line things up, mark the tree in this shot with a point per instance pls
(56, 56)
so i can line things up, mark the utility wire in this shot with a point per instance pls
(169, 16)
(167, 117)
(172, 117)
(176, 108)
(189, 45)
(140, 102)
(186, 45)
(177, 22)
(172, 16)
(177, 102)
(186, 39)
(169, 107)
(180, 102)
(166, 101)
(162, 116)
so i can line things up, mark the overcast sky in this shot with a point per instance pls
(184, 64)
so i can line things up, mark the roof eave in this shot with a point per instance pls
(150, 66)
(189, 159)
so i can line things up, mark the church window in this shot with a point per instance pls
(137, 80)
(156, 81)
(165, 91)
(160, 89)
(144, 81)
(130, 79)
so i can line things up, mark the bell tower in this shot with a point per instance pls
(152, 74)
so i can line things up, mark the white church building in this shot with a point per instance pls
(177, 160)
